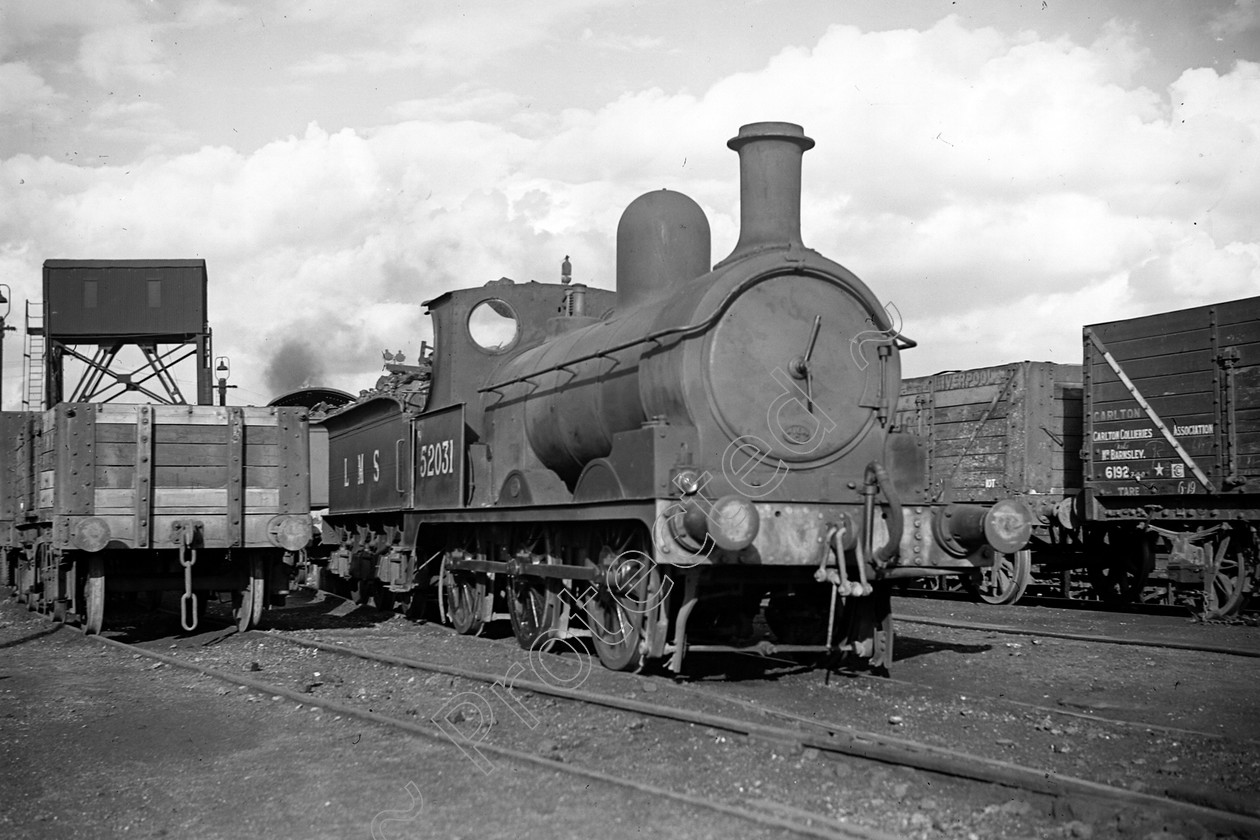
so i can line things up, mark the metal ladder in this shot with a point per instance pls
(33, 359)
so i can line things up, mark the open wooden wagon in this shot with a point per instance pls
(197, 500)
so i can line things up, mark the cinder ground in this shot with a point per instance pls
(99, 743)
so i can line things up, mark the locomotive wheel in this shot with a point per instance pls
(532, 601)
(1226, 594)
(94, 596)
(616, 625)
(463, 598)
(253, 597)
(1005, 581)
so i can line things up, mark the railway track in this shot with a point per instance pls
(1093, 638)
(797, 734)
(832, 740)
(1081, 712)
(767, 814)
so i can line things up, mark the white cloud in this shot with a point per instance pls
(22, 89)
(622, 42)
(464, 102)
(439, 39)
(1242, 17)
(999, 188)
(24, 22)
(134, 52)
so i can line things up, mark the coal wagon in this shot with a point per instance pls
(17, 430)
(1142, 465)
(114, 498)
(1007, 431)
(1172, 454)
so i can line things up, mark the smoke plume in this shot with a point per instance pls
(294, 365)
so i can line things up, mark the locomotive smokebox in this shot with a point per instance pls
(769, 186)
(662, 238)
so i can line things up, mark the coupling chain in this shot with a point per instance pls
(187, 558)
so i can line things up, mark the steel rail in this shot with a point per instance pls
(799, 822)
(1079, 637)
(1000, 699)
(846, 740)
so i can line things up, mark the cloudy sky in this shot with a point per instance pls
(1001, 171)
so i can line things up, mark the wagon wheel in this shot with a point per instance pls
(532, 601)
(67, 592)
(204, 597)
(1224, 597)
(1005, 581)
(28, 578)
(1119, 565)
(25, 578)
(414, 608)
(94, 595)
(463, 597)
(252, 598)
(616, 624)
(382, 598)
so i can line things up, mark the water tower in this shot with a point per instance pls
(95, 309)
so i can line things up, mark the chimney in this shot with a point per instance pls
(769, 186)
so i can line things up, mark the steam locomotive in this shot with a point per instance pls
(658, 468)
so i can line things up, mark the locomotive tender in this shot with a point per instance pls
(645, 468)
